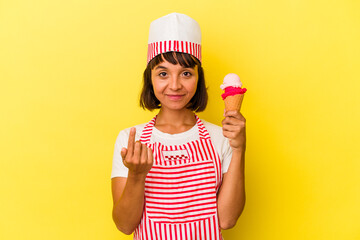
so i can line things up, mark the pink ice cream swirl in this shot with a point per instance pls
(231, 91)
(232, 85)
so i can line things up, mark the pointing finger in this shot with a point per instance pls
(131, 141)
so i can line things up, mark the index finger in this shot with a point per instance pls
(131, 141)
(233, 113)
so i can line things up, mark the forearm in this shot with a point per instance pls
(231, 196)
(127, 212)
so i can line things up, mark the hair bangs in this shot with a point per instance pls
(185, 60)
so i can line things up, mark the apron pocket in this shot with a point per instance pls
(181, 193)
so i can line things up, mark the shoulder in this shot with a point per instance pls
(213, 129)
(221, 144)
(217, 136)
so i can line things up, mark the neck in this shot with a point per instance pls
(174, 121)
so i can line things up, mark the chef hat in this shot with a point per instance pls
(174, 32)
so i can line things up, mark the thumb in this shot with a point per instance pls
(123, 153)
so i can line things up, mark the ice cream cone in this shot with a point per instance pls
(233, 102)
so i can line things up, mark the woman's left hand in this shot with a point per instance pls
(234, 129)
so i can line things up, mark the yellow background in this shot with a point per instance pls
(71, 73)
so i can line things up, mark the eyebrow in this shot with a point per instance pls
(159, 66)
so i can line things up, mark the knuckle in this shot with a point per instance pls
(129, 160)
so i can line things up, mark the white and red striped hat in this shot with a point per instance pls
(174, 32)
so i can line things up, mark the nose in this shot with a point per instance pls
(175, 83)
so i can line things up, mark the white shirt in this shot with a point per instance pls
(220, 143)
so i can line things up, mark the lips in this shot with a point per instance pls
(175, 97)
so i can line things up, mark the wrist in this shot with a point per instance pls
(136, 177)
(240, 150)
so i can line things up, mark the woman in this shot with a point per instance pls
(178, 177)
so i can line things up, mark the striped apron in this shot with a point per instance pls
(180, 190)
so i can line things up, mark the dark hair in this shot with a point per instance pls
(148, 99)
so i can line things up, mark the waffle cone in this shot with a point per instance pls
(233, 102)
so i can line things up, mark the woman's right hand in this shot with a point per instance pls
(138, 158)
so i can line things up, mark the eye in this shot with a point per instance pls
(162, 74)
(187, 74)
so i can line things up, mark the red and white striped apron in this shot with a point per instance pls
(180, 190)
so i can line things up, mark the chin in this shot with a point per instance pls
(176, 106)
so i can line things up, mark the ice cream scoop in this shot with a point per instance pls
(233, 93)
(231, 80)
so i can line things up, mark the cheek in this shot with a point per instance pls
(192, 87)
(158, 86)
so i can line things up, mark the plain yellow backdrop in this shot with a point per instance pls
(71, 73)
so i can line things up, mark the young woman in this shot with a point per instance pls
(177, 176)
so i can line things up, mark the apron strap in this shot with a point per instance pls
(147, 131)
(203, 133)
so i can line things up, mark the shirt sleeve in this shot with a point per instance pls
(226, 155)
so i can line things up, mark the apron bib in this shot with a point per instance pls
(180, 190)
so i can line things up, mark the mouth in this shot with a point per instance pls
(175, 97)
